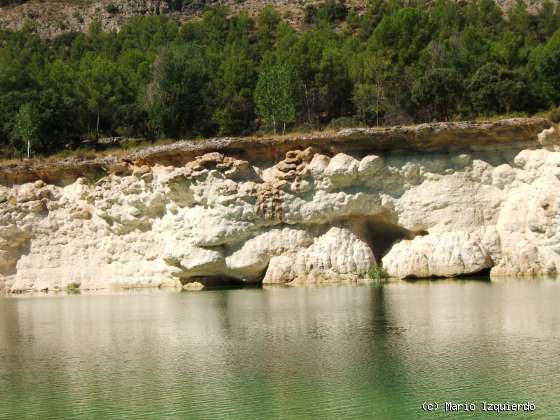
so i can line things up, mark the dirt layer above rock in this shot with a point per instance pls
(423, 137)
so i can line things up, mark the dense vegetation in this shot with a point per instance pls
(232, 75)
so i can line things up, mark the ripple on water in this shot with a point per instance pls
(330, 352)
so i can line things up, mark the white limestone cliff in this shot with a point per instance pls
(310, 217)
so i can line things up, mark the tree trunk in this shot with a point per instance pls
(28, 149)
(97, 127)
(274, 124)
(284, 128)
(307, 104)
(377, 107)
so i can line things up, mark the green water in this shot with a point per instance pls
(332, 352)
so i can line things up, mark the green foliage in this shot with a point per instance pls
(329, 11)
(11, 2)
(378, 273)
(27, 126)
(438, 93)
(494, 89)
(403, 34)
(176, 5)
(73, 288)
(111, 9)
(368, 102)
(177, 96)
(393, 62)
(555, 115)
(344, 122)
(234, 86)
(101, 86)
(546, 63)
(276, 95)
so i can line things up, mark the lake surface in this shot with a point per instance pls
(375, 351)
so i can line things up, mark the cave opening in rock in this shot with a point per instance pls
(482, 276)
(380, 233)
(219, 281)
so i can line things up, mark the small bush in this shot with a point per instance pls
(555, 115)
(132, 144)
(344, 122)
(11, 2)
(73, 287)
(177, 5)
(83, 152)
(111, 8)
(306, 128)
(378, 273)
(329, 11)
(309, 14)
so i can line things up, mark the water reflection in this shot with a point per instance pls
(288, 352)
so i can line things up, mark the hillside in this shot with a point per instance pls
(231, 74)
(55, 17)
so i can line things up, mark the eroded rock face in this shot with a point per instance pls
(310, 217)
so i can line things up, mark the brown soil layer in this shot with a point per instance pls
(417, 138)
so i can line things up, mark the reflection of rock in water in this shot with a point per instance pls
(362, 351)
(329, 212)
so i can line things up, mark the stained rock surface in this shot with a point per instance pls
(329, 209)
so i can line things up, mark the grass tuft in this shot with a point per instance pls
(378, 273)
(73, 288)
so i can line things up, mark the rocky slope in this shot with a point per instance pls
(445, 199)
(55, 17)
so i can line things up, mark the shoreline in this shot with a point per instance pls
(141, 290)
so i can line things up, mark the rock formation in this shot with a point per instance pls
(435, 200)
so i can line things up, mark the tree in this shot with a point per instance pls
(335, 87)
(370, 74)
(234, 86)
(101, 87)
(59, 119)
(519, 19)
(494, 89)
(267, 22)
(11, 2)
(329, 11)
(404, 34)
(548, 20)
(367, 100)
(177, 97)
(447, 18)
(276, 94)
(438, 93)
(545, 60)
(27, 126)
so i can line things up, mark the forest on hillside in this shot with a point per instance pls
(399, 62)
